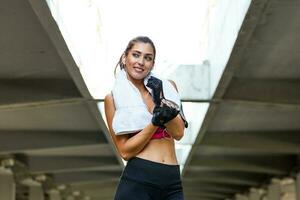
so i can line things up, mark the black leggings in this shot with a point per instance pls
(146, 180)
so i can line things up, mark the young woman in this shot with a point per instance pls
(152, 171)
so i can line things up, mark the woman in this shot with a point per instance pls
(152, 171)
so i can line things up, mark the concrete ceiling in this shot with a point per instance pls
(50, 124)
(48, 120)
(250, 132)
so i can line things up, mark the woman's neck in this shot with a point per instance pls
(138, 83)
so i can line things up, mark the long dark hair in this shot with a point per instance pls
(143, 39)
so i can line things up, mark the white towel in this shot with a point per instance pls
(131, 113)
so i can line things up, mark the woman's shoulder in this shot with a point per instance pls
(108, 98)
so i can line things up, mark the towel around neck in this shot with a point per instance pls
(131, 114)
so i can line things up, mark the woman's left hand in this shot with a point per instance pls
(164, 114)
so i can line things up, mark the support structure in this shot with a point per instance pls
(274, 191)
(241, 197)
(36, 191)
(255, 194)
(297, 185)
(7, 184)
(54, 195)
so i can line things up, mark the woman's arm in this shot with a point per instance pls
(127, 147)
(175, 127)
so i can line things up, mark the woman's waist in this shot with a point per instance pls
(167, 160)
(161, 151)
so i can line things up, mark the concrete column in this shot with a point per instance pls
(54, 195)
(70, 197)
(297, 185)
(7, 184)
(255, 194)
(274, 191)
(36, 191)
(241, 197)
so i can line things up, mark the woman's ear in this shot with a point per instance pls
(124, 59)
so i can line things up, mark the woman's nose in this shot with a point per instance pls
(141, 61)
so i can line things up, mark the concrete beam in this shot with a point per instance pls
(36, 89)
(11, 141)
(271, 91)
(225, 188)
(86, 176)
(237, 179)
(201, 195)
(257, 164)
(47, 164)
(258, 141)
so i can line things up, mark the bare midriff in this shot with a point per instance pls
(160, 150)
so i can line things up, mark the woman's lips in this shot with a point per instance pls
(138, 69)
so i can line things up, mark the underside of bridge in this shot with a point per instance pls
(50, 125)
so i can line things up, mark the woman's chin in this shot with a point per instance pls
(138, 76)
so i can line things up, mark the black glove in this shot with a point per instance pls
(157, 89)
(164, 110)
(162, 115)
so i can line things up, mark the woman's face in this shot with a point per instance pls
(139, 61)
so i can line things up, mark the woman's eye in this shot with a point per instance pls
(148, 58)
(135, 55)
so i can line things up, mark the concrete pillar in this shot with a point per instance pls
(297, 185)
(36, 191)
(54, 195)
(241, 197)
(255, 194)
(274, 191)
(7, 184)
(70, 197)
